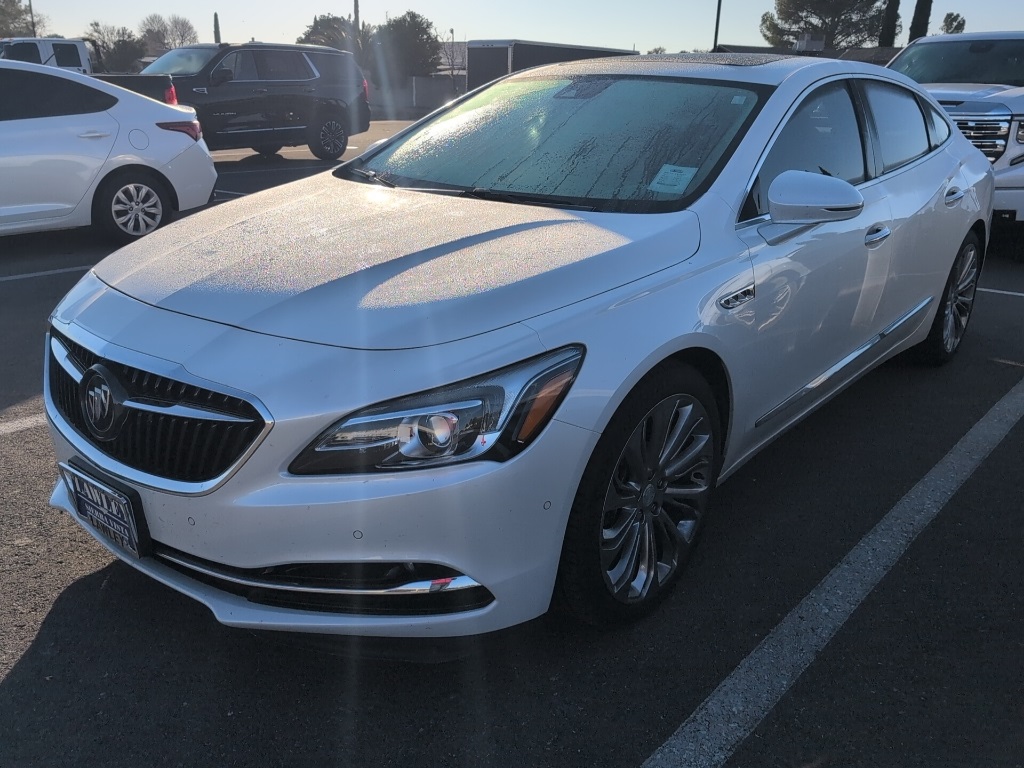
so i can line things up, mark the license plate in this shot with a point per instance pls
(104, 508)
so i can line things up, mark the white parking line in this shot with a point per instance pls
(731, 713)
(20, 425)
(28, 275)
(1002, 293)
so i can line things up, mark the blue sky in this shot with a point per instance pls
(674, 24)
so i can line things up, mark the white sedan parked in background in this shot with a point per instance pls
(76, 151)
(508, 354)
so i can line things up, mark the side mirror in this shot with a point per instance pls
(799, 197)
(221, 75)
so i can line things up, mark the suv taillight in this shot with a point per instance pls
(171, 95)
(191, 127)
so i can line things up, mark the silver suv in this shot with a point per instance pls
(979, 78)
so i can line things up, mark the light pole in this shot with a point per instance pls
(32, 18)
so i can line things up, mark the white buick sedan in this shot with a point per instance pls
(504, 358)
(75, 151)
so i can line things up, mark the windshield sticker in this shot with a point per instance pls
(672, 179)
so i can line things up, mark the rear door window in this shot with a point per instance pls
(283, 65)
(66, 55)
(28, 95)
(902, 134)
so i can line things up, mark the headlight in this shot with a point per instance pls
(497, 414)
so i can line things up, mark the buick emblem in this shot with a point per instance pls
(102, 397)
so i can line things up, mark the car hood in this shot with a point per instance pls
(960, 96)
(353, 265)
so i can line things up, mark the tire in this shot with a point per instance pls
(268, 149)
(328, 138)
(131, 205)
(956, 307)
(627, 540)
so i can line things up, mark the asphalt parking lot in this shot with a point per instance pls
(858, 599)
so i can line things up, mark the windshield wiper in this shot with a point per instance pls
(368, 175)
(482, 193)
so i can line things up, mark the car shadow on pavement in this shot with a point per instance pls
(124, 671)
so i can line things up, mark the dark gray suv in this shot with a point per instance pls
(268, 96)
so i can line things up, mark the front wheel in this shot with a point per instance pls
(131, 205)
(329, 138)
(641, 503)
(957, 305)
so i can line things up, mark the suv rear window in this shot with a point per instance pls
(331, 66)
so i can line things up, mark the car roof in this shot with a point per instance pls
(969, 37)
(258, 44)
(765, 69)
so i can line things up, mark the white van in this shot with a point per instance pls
(53, 51)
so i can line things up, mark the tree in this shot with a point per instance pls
(890, 24)
(843, 23)
(329, 30)
(953, 24)
(919, 24)
(16, 21)
(117, 49)
(154, 32)
(404, 46)
(453, 58)
(658, 49)
(180, 31)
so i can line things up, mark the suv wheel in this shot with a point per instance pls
(329, 137)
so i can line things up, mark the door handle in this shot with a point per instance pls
(259, 90)
(954, 195)
(94, 135)
(876, 235)
(310, 89)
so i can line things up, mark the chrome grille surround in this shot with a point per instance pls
(988, 135)
(181, 434)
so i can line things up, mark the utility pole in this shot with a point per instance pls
(355, 17)
(216, 28)
(718, 19)
(32, 18)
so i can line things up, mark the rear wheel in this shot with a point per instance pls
(130, 205)
(328, 138)
(957, 305)
(640, 505)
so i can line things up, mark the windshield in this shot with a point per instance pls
(181, 61)
(997, 62)
(607, 142)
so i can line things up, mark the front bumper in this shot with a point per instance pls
(494, 529)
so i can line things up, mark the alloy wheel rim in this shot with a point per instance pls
(654, 501)
(960, 298)
(331, 136)
(137, 209)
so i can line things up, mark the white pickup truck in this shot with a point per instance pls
(55, 51)
(979, 78)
